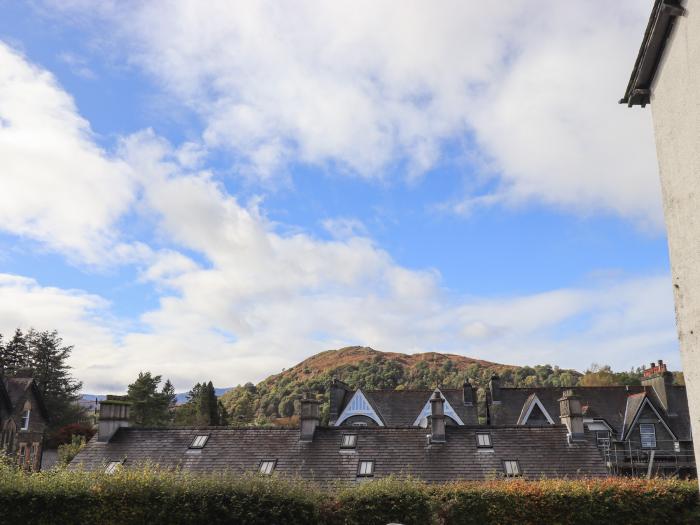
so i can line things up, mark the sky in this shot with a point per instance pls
(218, 190)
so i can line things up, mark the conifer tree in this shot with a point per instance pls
(150, 407)
(15, 354)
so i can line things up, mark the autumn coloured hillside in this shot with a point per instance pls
(275, 399)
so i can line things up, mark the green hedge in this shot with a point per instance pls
(152, 496)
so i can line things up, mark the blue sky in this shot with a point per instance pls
(216, 192)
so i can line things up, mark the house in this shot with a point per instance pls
(640, 429)
(666, 75)
(380, 435)
(23, 420)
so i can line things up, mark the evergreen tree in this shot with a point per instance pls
(48, 363)
(150, 407)
(202, 407)
(15, 354)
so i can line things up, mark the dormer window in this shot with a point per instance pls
(199, 441)
(112, 467)
(267, 466)
(25, 420)
(349, 441)
(511, 468)
(365, 469)
(483, 440)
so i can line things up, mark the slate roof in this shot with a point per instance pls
(17, 387)
(399, 408)
(598, 402)
(396, 451)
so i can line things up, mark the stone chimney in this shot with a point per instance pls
(437, 418)
(338, 391)
(468, 394)
(661, 380)
(495, 389)
(114, 414)
(310, 418)
(571, 415)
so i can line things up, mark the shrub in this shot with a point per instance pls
(147, 495)
(67, 452)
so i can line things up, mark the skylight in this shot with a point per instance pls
(199, 441)
(511, 468)
(366, 468)
(483, 440)
(267, 466)
(349, 441)
(112, 467)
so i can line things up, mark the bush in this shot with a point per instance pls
(152, 496)
(67, 452)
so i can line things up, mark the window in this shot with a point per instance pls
(199, 441)
(648, 435)
(22, 454)
(359, 424)
(365, 469)
(483, 440)
(267, 466)
(349, 441)
(112, 467)
(33, 456)
(25, 419)
(676, 446)
(511, 468)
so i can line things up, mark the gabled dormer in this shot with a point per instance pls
(422, 419)
(360, 412)
(534, 413)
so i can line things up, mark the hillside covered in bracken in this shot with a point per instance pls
(275, 399)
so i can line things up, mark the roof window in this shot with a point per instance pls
(349, 441)
(365, 469)
(199, 441)
(483, 440)
(267, 466)
(112, 467)
(511, 468)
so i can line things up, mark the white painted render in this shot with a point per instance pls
(359, 406)
(422, 419)
(675, 102)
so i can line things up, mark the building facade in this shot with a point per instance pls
(666, 75)
(640, 430)
(23, 421)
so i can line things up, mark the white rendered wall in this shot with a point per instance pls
(675, 104)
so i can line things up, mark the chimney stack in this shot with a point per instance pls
(114, 414)
(437, 418)
(495, 389)
(310, 418)
(468, 394)
(661, 380)
(571, 415)
(338, 391)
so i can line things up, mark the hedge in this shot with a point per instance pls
(148, 495)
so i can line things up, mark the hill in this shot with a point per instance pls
(275, 399)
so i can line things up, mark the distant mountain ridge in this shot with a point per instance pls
(275, 399)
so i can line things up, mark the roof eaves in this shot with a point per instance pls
(659, 27)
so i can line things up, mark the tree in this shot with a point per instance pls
(15, 354)
(48, 362)
(150, 407)
(202, 407)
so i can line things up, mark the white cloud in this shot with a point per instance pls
(58, 187)
(362, 87)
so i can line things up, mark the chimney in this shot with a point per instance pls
(437, 418)
(468, 394)
(661, 380)
(114, 414)
(310, 418)
(337, 396)
(571, 415)
(495, 389)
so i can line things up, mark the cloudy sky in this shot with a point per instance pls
(217, 190)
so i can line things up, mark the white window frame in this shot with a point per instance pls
(483, 440)
(348, 441)
(650, 430)
(199, 441)
(25, 419)
(365, 468)
(511, 468)
(112, 466)
(267, 466)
